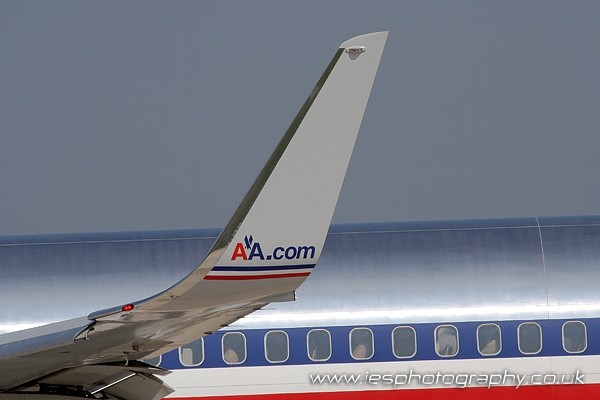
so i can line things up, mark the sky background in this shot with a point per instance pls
(159, 115)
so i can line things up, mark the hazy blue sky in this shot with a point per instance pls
(158, 115)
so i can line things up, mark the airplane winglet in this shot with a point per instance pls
(275, 237)
(280, 226)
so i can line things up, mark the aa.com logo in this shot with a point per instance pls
(250, 250)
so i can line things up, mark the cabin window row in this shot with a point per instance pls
(404, 343)
(529, 339)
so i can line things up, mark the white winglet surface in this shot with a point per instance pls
(275, 237)
(287, 224)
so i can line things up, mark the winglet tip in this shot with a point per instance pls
(357, 40)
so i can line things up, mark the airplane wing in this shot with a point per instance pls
(267, 249)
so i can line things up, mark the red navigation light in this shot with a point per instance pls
(127, 307)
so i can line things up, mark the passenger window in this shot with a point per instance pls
(361, 343)
(530, 338)
(192, 354)
(234, 348)
(153, 361)
(489, 340)
(574, 337)
(446, 340)
(277, 346)
(404, 342)
(319, 345)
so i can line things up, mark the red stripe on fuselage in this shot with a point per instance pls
(248, 277)
(538, 392)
